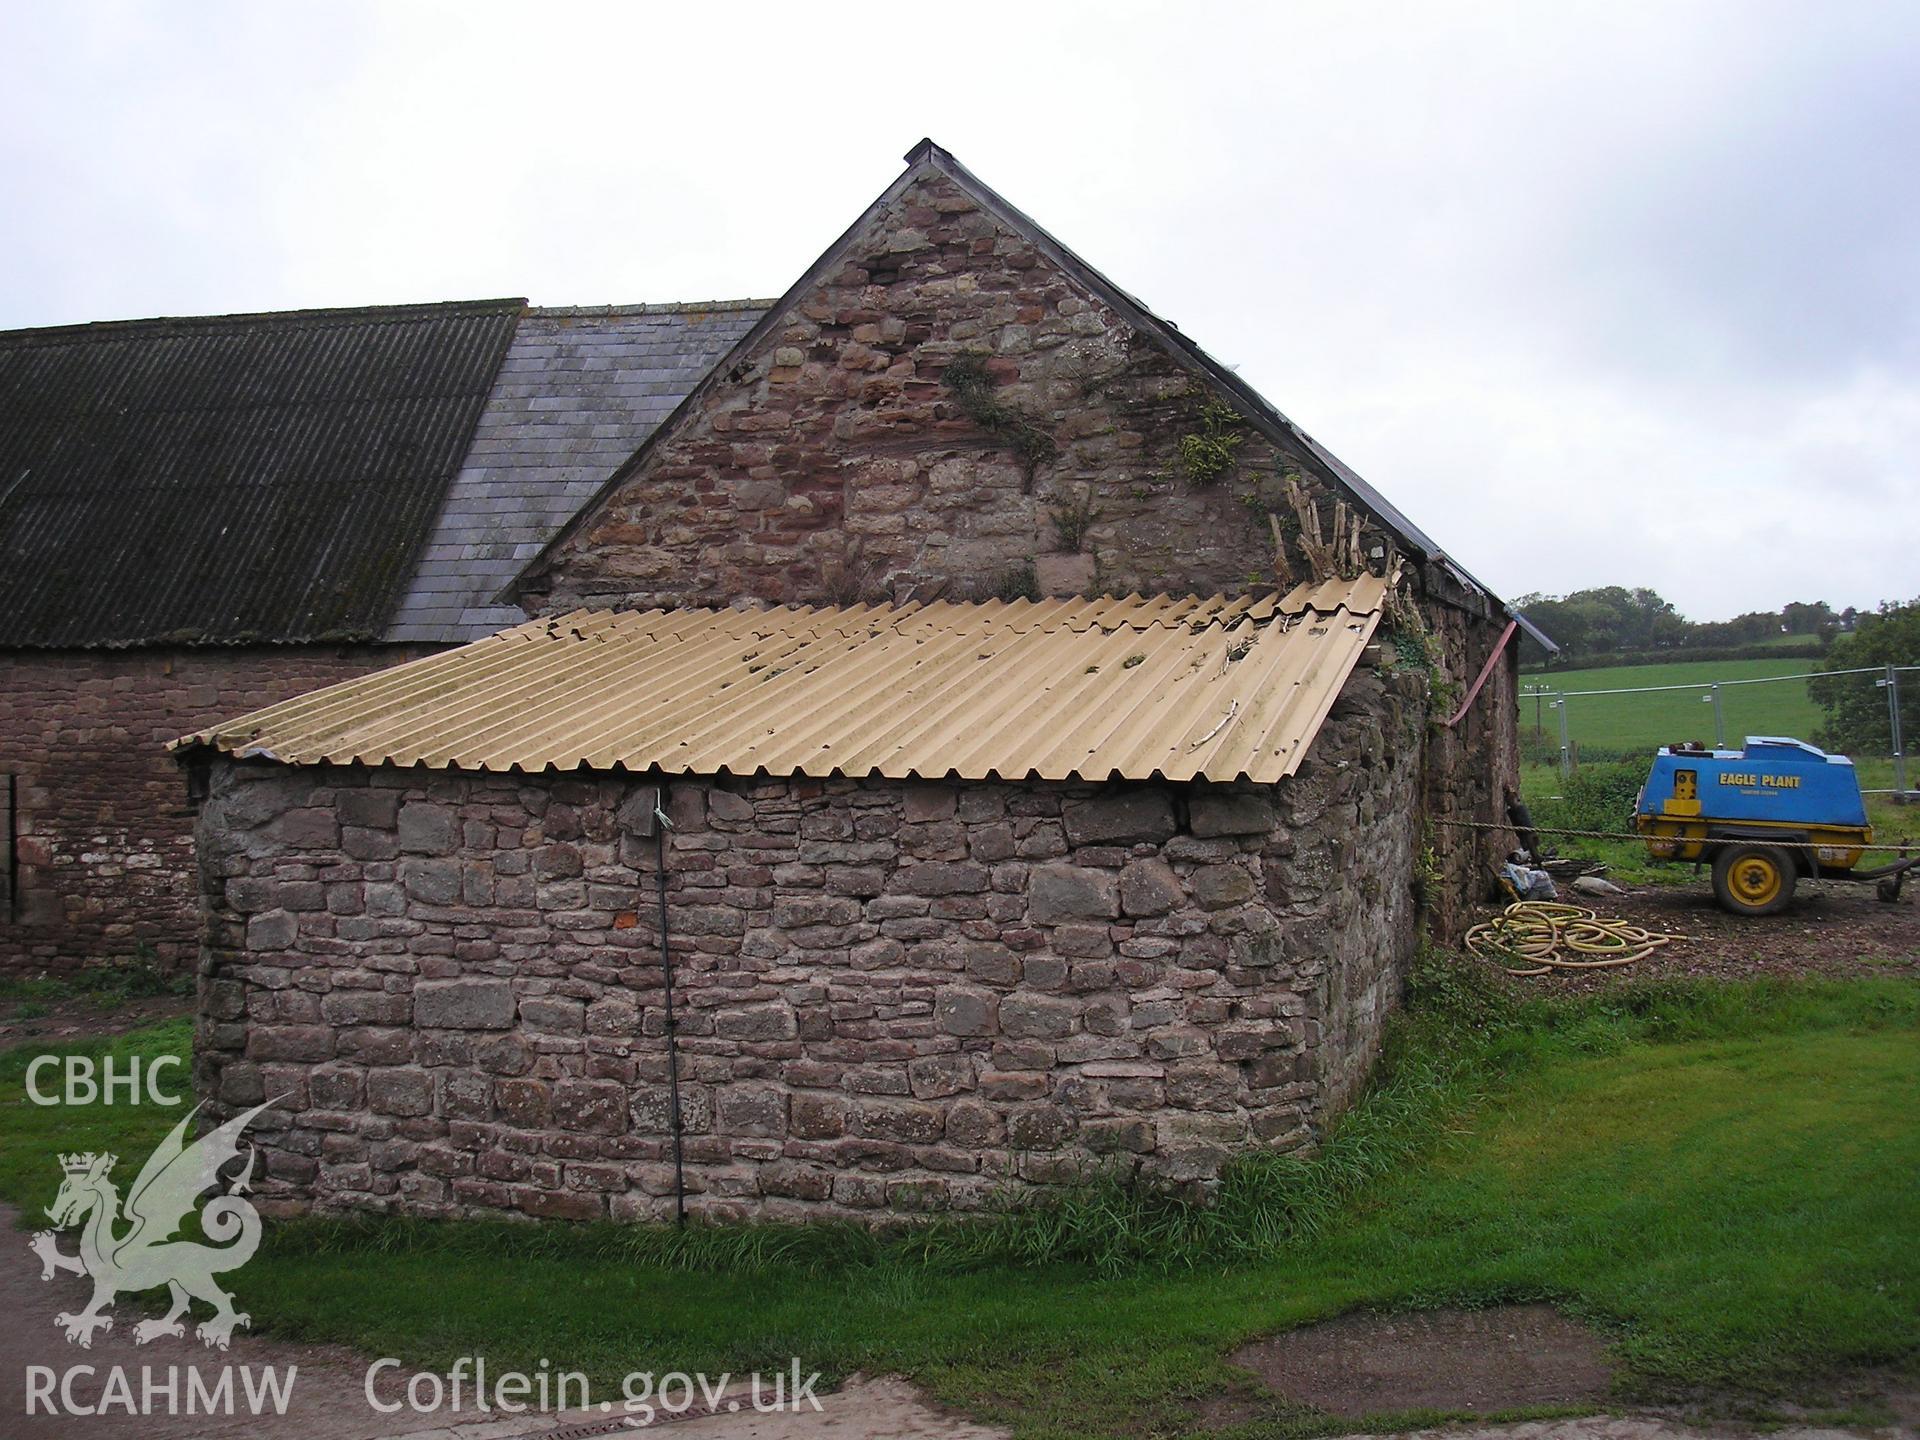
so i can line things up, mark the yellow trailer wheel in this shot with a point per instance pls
(1753, 879)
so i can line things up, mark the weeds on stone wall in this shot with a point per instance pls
(1207, 454)
(847, 576)
(966, 376)
(1017, 582)
(1071, 519)
(1419, 649)
(1427, 879)
(1097, 586)
(1415, 650)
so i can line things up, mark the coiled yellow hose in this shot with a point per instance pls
(1547, 936)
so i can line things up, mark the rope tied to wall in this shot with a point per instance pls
(1904, 848)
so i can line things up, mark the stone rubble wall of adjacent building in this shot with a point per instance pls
(899, 996)
(103, 831)
(1472, 769)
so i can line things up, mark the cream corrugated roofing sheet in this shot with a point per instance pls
(1174, 688)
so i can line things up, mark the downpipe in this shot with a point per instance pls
(661, 824)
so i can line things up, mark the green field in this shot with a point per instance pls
(1800, 643)
(1641, 722)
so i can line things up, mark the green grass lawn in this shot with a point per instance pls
(1613, 723)
(1719, 1178)
(31, 1136)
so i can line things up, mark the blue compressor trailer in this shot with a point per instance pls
(1765, 817)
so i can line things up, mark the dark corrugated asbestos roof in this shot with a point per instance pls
(233, 478)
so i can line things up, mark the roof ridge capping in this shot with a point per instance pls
(342, 314)
(654, 307)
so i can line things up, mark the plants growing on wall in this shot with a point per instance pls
(846, 576)
(1018, 581)
(1207, 453)
(966, 376)
(1071, 519)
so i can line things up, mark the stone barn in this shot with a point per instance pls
(974, 740)
(956, 895)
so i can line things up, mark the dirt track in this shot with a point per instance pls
(1830, 929)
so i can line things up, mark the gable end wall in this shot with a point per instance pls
(833, 461)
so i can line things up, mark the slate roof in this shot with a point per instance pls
(578, 392)
(1174, 688)
(231, 479)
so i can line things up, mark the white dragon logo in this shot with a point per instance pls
(146, 1257)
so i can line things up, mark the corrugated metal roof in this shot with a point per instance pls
(233, 478)
(580, 388)
(1174, 688)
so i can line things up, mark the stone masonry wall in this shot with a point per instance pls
(105, 833)
(1472, 770)
(892, 996)
(836, 462)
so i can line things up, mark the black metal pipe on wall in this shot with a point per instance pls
(660, 827)
(13, 847)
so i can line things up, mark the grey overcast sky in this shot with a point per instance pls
(1606, 293)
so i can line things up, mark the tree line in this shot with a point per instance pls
(1613, 621)
(1857, 714)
